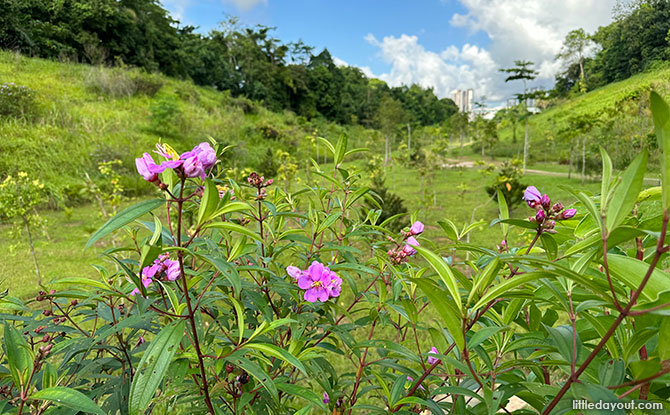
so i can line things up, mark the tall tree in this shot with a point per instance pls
(573, 51)
(523, 71)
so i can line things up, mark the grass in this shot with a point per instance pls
(85, 115)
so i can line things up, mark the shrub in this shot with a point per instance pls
(507, 182)
(111, 82)
(147, 84)
(165, 115)
(273, 302)
(17, 101)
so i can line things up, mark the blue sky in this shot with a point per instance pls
(444, 44)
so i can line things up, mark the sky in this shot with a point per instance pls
(443, 44)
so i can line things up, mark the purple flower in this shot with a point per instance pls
(532, 196)
(432, 360)
(326, 398)
(411, 241)
(205, 154)
(568, 213)
(335, 286)
(192, 166)
(545, 201)
(147, 168)
(294, 272)
(147, 276)
(172, 269)
(409, 378)
(416, 229)
(316, 282)
(539, 216)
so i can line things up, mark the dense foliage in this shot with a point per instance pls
(638, 39)
(245, 298)
(248, 62)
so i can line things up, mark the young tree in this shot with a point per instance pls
(18, 198)
(573, 51)
(522, 70)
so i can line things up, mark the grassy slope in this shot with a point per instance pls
(627, 99)
(78, 126)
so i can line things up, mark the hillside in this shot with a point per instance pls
(616, 116)
(83, 115)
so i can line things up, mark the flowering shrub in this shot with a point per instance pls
(280, 303)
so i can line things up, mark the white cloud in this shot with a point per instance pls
(339, 62)
(246, 5)
(411, 63)
(177, 8)
(530, 30)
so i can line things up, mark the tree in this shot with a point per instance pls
(522, 70)
(574, 47)
(389, 116)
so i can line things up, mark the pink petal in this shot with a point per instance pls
(294, 272)
(310, 295)
(304, 282)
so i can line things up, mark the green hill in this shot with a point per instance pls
(618, 112)
(83, 115)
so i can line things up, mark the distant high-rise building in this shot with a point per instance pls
(463, 98)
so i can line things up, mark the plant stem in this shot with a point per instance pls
(660, 250)
(32, 250)
(191, 315)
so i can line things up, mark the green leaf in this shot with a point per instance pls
(70, 398)
(450, 315)
(445, 274)
(483, 280)
(506, 286)
(79, 281)
(123, 218)
(562, 340)
(230, 208)
(153, 366)
(664, 339)
(19, 357)
(340, 149)
(504, 212)
(625, 195)
(661, 115)
(607, 176)
(328, 221)
(302, 392)
(630, 272)
(233, 227)
(522, 223)
(327, 144)
(208, 202)
(240, 319)
(449, 228)
(227, 270)
(277, 352)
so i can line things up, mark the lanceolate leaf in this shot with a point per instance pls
(445, 274)
(279, 353)
(630, 272)
(625, 195)
(450, 315)
(152, 367)
(18, 355)
(209, 201)
(70, 398)
(123, 218)
(661, 115)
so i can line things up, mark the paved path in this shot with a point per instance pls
(576, 175)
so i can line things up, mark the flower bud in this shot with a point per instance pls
(557, 207)
(545, 201)
(540, 216)
(567, 214)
